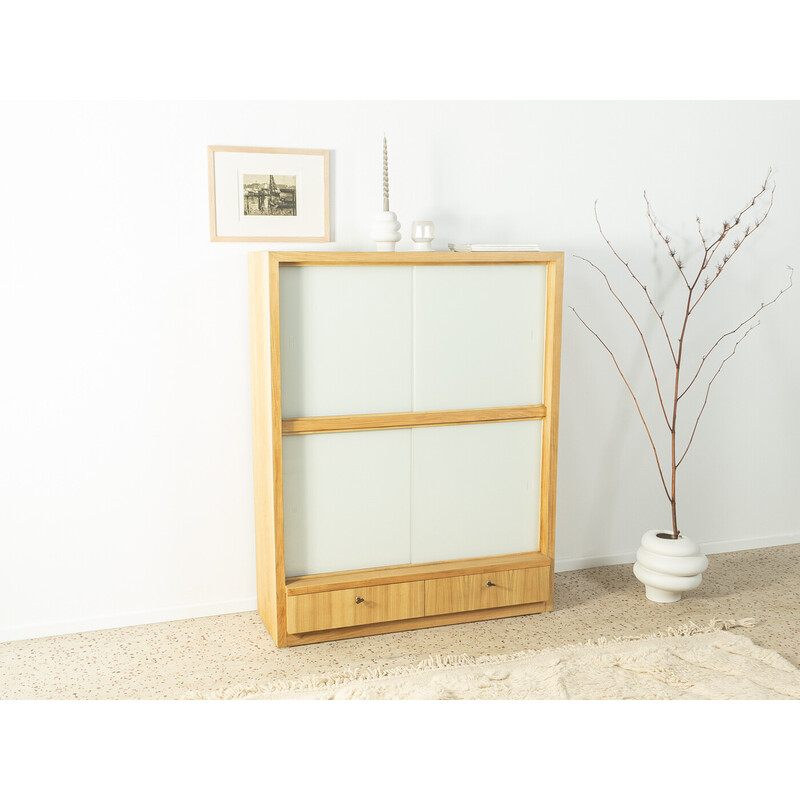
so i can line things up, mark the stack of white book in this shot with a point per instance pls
(486, 248)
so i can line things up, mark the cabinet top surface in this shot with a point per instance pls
(355, 258)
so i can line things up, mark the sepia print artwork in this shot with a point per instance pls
(270, 195)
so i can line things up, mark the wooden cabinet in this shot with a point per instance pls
(405, 415)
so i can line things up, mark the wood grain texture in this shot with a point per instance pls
(360, 259)
(552, 373)
(360, 606)
(277, 442)
(411, 419)
(263, 469)
(374, 576)
(267, 476)
(413, 624)
(486, 590)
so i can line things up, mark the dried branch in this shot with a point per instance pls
(737, 328)
(641, 336)
(708, 389)
(659, 314)
(636, 402)
(665, 239)
(708, 276)
(702, 238)
(726, 229)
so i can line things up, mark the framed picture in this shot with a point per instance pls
(263, 194)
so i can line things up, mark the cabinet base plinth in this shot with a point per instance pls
(413, 624)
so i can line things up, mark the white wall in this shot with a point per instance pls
(125, 455)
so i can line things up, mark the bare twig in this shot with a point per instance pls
(659, 314)
(726, 229)
(638, 408)
(737, 328)
(641, 336)
(702, 238)
(708, 389)
(664, 238)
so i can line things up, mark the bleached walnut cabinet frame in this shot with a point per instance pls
(341, 604)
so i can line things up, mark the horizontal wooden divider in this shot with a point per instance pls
(401, 573)
(411, 419)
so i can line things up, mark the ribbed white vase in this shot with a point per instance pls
(668, 567)
(385, 231)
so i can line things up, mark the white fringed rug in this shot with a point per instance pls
(691, 662)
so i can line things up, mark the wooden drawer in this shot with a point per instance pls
(486, 590)
(344, 608)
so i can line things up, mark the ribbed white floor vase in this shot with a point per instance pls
(668, 567)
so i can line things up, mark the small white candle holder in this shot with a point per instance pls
(386, 231)
(422, 234)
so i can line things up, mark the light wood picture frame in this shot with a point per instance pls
(268, 194)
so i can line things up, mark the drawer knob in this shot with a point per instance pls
(359, 599)
(489, 583)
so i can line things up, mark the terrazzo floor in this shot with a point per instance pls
(166, 660)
